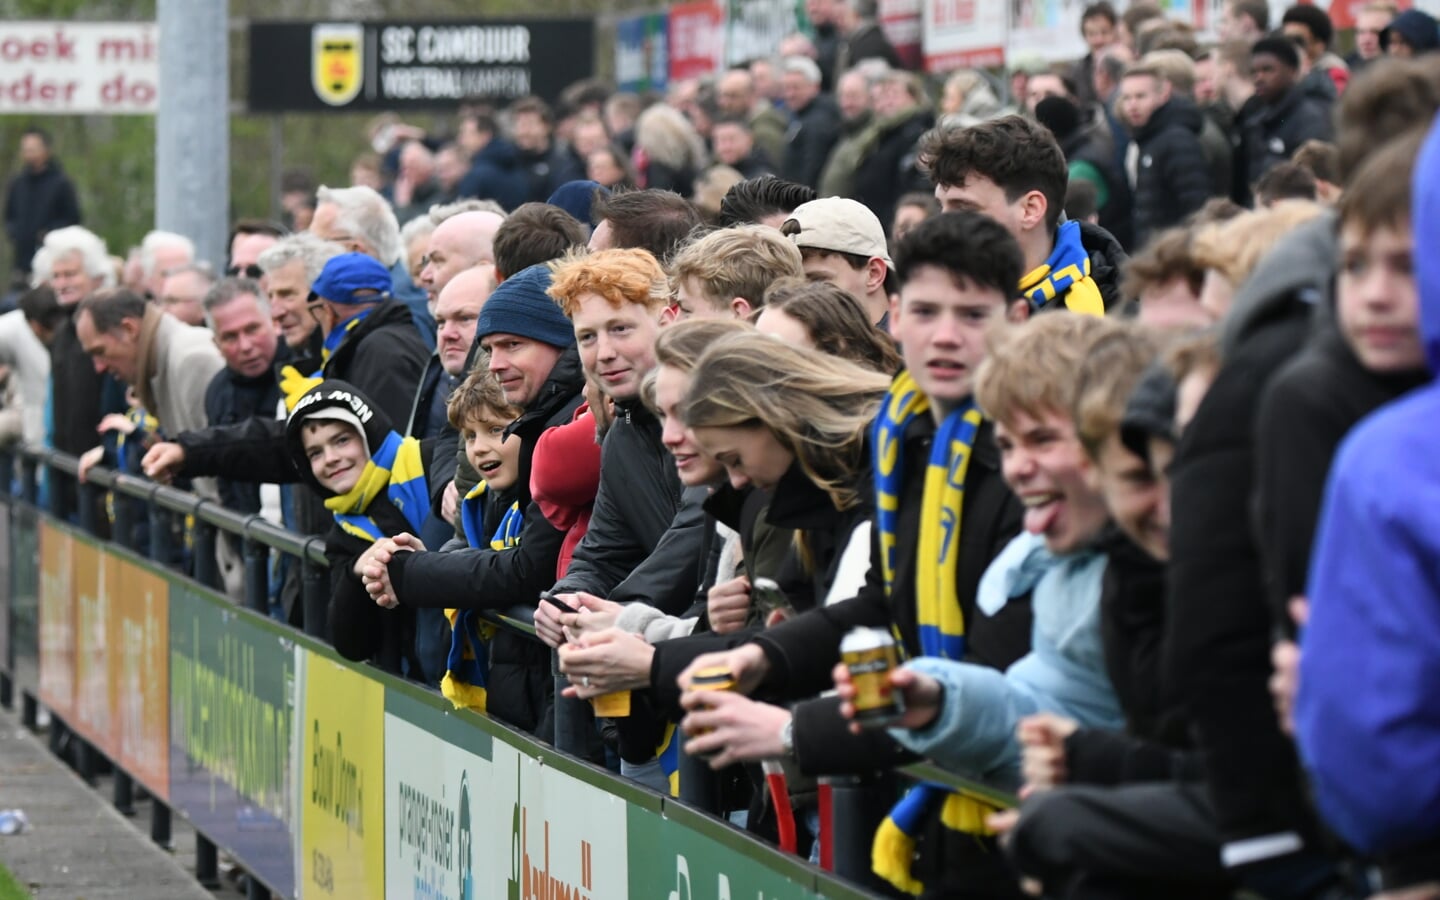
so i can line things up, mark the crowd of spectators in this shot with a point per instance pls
(1105, 389)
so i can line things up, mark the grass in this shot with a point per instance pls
(10, 889)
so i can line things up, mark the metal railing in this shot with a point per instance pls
(852, 819)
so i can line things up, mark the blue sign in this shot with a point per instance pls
(642, 53)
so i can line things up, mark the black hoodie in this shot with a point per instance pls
(359, 629)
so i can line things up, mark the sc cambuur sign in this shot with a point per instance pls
(358, 67)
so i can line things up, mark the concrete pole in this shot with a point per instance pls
(192, 130)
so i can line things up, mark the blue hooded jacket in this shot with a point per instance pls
(1368, 713)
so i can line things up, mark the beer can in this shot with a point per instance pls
(870, 655)
(711, 678)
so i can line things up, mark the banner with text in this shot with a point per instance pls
(754, 28)
(68, 68)
(697, 39)
(342, 790)
(901, 21)
(960, 33)
(359, 67)
(232, 732)
(642, 56)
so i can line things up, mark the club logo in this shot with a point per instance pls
(337, 62)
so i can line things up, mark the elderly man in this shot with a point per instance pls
(182, 293)
(359, 219)
(289, 268)
(74, 263)
(160, 253)
(817, 122)
(459, 242)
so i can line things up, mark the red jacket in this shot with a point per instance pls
(564, 476)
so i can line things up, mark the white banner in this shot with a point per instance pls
(61, 68)
(960, 33)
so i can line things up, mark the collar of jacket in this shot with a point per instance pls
(148, 353)
(799, 503)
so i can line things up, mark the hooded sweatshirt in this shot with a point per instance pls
(1368, 712)
(390, 497)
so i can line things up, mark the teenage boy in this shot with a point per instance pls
(646, 529)
(374, 482)
(841, 242)
(726, 272)
(1013, 170)
(957, 273)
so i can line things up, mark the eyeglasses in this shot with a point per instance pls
(251, 271)
(313, 305)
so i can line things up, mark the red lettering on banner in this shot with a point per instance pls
(537, 882)
(30, 89)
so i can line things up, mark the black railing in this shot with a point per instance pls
(852, 820)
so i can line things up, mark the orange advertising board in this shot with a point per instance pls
(57, 622)
(91, 659)
(138, 663)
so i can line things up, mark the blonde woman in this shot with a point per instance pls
(668, 151)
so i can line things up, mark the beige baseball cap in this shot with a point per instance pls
(839, 225)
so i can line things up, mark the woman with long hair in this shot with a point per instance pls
(821, 316)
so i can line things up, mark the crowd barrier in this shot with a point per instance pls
(321, 777)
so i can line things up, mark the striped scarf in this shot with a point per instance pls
(294, 384)
(939, 617)
(396, 469)
(468, 664)
(1066, 273)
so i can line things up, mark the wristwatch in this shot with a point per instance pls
(787, 739)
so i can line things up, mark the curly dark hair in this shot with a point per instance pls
(1019, 155)
(975, 249)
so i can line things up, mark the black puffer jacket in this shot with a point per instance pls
(1172, 175)
(1271, 134)
(1107, 259)
(645, 531)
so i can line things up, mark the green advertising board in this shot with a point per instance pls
(232, 716)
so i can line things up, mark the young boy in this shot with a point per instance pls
(374, 483)
(491, 517)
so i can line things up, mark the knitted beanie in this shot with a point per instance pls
(520, 306)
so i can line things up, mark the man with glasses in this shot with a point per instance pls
(248, 239)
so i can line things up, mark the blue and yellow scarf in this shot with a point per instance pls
(294, 384)
(1067, 273)
(398, 470)
(939, 617)
(468, 665)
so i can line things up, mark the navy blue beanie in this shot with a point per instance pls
(520, 306)
(575, 197)
(1414, 27)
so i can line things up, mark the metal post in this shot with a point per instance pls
(254, 890)
(207, 567)
(124, 793)
(315, 594)
(697, 781)
(857, 811)
(571, 719)
(7, 691)
(89, 506)
(207, 862)
(29, 481)
(192, 128)
(257, 576)
(125, 507)
(161, 538)
(85, 759)
(29, 712)
(160, 824)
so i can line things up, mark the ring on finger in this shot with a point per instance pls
(585, 681)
